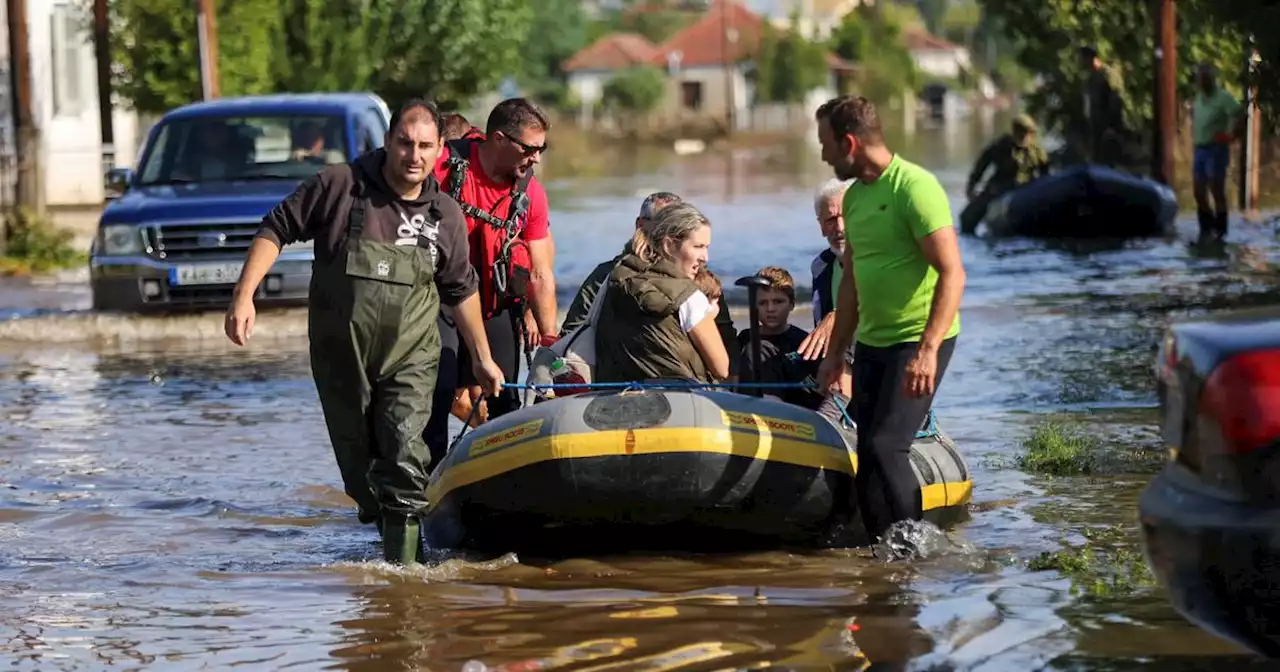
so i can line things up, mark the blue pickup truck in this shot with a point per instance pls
(175, 233)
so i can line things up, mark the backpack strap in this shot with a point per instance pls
(355, 220)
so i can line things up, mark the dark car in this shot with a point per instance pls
(1211, 518)
(176, 236)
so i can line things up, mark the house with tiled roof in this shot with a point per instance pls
(935, 55)
(707, 63)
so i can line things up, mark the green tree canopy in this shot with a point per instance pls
(635, 90)
(157, 55)
(871, 37)
(788, 66)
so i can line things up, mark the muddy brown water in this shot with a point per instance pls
(169, 501)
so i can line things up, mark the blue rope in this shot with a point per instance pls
(930, 427)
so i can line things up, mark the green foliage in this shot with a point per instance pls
(35, 245)
(157, 55)
(872, 39)
(635, 90)
(558, 30)
(447, 49)
(657, 26)
(788, 66)
(1047, 32)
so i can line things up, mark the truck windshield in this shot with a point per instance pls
(266, 147)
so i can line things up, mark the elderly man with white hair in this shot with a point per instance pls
(827, 269)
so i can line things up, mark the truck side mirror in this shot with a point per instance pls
(117, 182)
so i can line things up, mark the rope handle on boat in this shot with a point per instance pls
(656, 385)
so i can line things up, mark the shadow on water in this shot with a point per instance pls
(166, 497)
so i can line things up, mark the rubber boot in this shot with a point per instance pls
(1207, 223)
(401, 541)
(1220, 225)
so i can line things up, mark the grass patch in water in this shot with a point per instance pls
(34, 244)
(1071, 447)
(1056, 448)
(1107, 565)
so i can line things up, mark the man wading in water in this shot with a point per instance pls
(901, 249)
(509, 233)
(392, 249)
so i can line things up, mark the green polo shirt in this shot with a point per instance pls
(1212, 114)
(884, 221)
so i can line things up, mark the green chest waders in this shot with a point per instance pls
(375, 350)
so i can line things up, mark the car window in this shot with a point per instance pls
(225, 148)
(372, 127)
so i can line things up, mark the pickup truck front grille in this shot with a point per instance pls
(195, 241)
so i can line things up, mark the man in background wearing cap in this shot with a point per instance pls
(1015, 159)
(1103, 109)
(581, 305)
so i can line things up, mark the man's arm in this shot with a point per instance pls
(291, 220)
(542, 253)
(846, 309)
(980, 167)
(929, 216)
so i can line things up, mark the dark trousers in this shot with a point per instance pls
(455, 372)
(888, 420)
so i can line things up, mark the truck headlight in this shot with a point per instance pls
(121, 239)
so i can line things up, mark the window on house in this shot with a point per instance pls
(691, 95)
(68, 46)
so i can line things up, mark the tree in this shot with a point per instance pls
(788, 66)
(157, 57)
(871, 37)
(558, 31)
(636, 90)
(1046, 34)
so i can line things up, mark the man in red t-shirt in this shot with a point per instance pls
(515, 138)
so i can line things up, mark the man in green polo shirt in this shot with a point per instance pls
(1216, 119)
(900, 305)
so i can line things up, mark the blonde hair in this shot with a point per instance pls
(708, 283)
(780, 280)
(674, 223)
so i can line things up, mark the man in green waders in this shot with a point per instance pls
(390, 248)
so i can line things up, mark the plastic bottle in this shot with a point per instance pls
(563, 374)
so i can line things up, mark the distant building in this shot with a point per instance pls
(64, 88)
(707, 63)
(935, 55)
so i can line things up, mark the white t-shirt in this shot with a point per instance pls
(694, 310)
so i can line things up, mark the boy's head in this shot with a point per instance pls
(776, 301)
(709, 284)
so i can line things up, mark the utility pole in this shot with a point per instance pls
(1251, 143)
(1166, 93)
(207, 35)
(28, 190)
(102, 51)
(726, 38)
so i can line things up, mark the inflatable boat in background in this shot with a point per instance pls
(1084, 201)
(666, 469)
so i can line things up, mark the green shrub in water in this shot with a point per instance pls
(35, 245)
(1057, 449)
(1107, 565)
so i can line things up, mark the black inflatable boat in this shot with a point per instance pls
(1084, 201)
(666, 469)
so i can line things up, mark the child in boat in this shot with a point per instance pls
(709, 284)
(779, 342)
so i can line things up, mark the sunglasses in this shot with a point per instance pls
(527, 149)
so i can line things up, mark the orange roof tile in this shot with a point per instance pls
(919, 39)
(615, 51)
(704, 42)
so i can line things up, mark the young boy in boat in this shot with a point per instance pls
(780, 341)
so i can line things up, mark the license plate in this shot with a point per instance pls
(205, 274)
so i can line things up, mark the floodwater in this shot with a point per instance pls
(167, 500)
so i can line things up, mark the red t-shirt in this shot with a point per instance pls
(483, 193)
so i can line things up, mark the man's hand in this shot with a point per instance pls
(488, 376)
(970, 191)
(239, 320)
(814, 346)
(830, 371)
(921, 371)
(532, 335)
